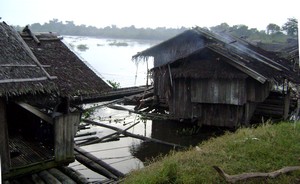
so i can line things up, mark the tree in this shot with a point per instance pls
(222, 27)
(291, 27)
(272, 28)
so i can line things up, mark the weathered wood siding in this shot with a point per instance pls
(162, 84)
(180, 104)
(219, 114)
(218, 91)
(64, 127)
(257, 92)
(4, 149)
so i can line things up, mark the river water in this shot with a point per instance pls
(114, 63)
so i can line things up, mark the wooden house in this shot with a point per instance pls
(39, 79)
(214, 78)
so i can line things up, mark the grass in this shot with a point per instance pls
(118, 44)
(82, 47)
(263, 149)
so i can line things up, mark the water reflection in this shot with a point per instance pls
(185, 134)
(127, 154)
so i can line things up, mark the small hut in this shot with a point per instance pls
(39, 79)
(215, 78)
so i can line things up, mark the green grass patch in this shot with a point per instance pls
(82, 47)
(263, 149)
(118, 44)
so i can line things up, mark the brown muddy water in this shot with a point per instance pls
(128, 153)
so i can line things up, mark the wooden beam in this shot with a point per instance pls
(23, 80)
(30, 53)
(32, 168)
(23, 65)
(36, 112)
(132, 135)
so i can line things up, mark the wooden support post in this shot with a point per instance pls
(286, 109)
(4, 148)
(64, 131)
(170, 74)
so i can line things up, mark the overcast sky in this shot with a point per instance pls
(151, 13)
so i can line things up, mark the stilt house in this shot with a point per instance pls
(39, 79)
(215, 78)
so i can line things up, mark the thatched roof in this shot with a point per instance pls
(75, 78)
(20, 71)
(251, 60)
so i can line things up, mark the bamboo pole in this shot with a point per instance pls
(61, 176)
(48, 178)
(100, 162)
(36, 179)
(76, 176)
(124, 132)
(94, 166)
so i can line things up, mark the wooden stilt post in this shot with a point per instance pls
(4, 148)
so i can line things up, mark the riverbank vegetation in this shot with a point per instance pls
(272, 33)
(266, 148)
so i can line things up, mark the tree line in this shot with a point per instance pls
(273, 32)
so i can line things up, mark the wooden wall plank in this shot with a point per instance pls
(4, 148)
(218, 91)
(64, 131)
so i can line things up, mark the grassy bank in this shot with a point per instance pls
(263, 149)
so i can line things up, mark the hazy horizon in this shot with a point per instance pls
(150, 14)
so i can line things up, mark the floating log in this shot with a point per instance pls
(36, 179)
(85, 134)
(94, 166)
(83, 127)
(61, 176)
(124, 132)
(48, 178)
(86, 138)
(246, 176)
(100, 162)
(76, 176)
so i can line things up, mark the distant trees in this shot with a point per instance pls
(272, 28)
(291, 27)
(273, 32)
(131, 32)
